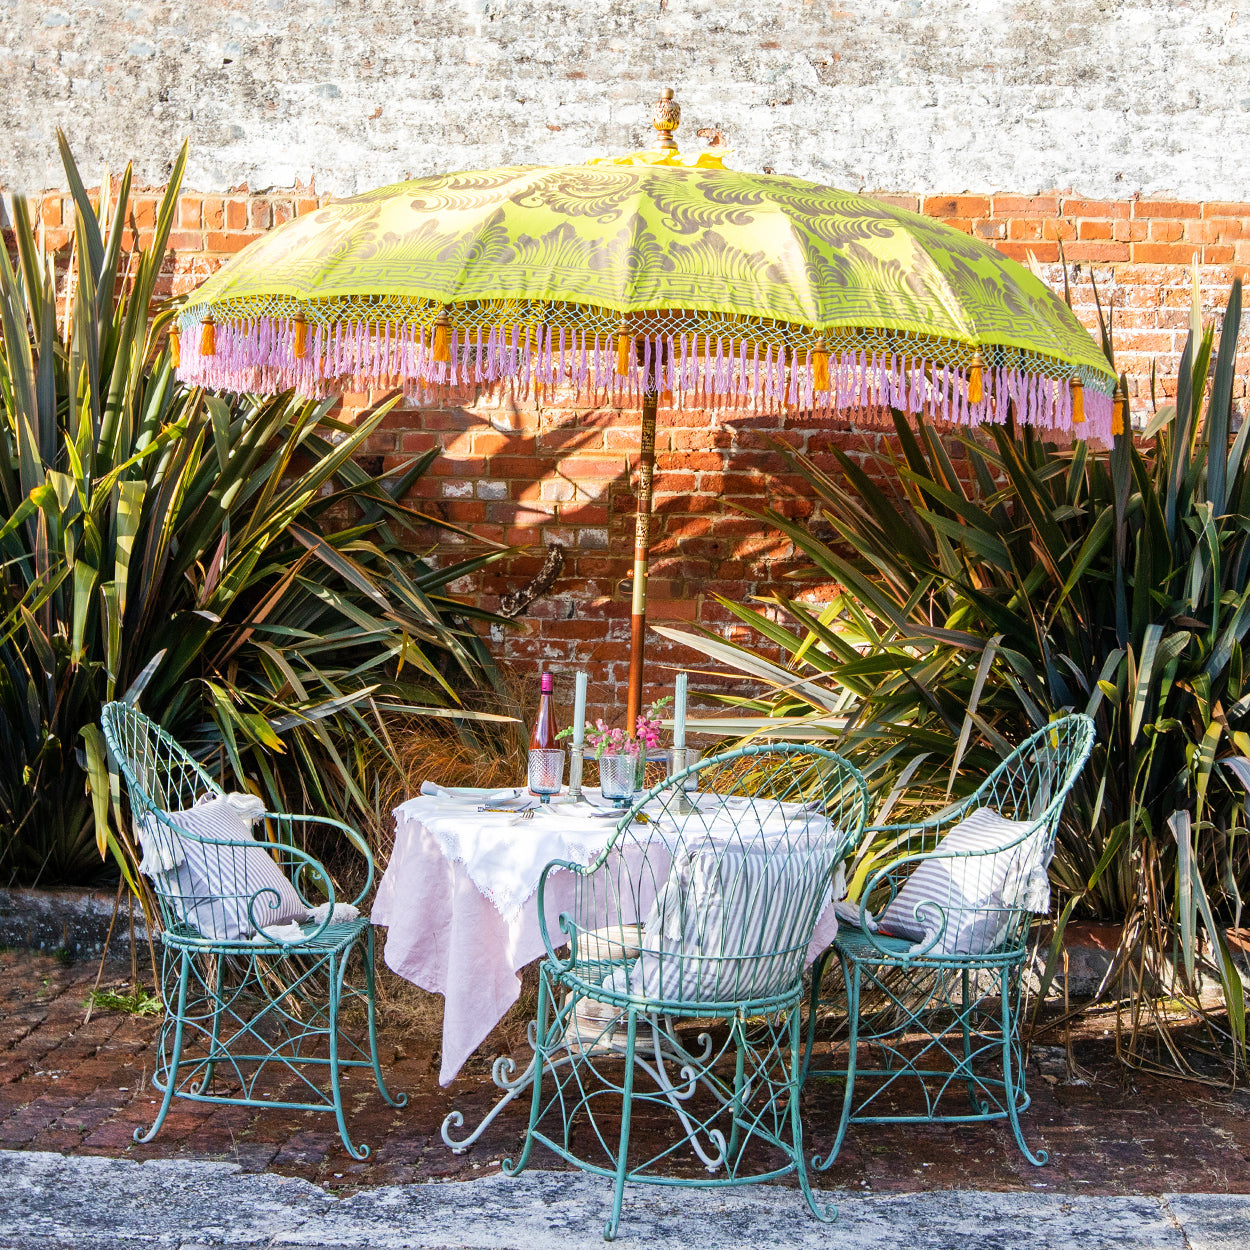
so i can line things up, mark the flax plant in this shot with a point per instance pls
(1007, 580)
(225, 561)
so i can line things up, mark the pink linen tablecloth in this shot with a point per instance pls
(446, 936)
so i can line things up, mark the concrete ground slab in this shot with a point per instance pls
(1212, 1221)
(54, 1202)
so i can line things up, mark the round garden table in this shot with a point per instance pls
(459, 903)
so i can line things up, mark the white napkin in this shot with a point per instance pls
(847, 912)
(344, 913)
(510, 796)
(296, 932)
(287, 933)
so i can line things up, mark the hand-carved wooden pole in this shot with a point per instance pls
(642, 535)
(665, 118)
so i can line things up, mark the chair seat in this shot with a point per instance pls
(335, 937)
(853, 943)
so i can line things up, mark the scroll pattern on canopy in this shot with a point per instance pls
(731, 287)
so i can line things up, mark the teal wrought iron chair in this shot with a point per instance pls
(693, 912)
(246, 1013)
(933, 995)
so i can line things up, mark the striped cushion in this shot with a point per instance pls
(611, 944)
(731, 923)
(972, 901)
(211, 887)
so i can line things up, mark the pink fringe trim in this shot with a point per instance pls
(259, 355)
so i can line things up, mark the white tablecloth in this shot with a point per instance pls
(446, 936)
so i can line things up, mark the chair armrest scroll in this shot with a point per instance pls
(566, 922)
(353, 836)
(300, 862)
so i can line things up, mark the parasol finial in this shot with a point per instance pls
(666, 117)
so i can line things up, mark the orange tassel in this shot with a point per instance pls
(1078, 402)
(820, 366)
(624, 345)
(442, 337)
(1119, 414)
(208, 339)
(976, 387)
(175, 347)
(301, 338)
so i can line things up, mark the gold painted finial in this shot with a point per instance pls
(666, 117)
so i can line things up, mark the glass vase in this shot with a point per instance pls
(618, 778)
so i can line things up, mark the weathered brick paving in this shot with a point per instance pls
(83, 1089)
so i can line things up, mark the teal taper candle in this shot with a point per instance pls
(679, 711)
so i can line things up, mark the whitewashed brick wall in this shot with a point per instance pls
(1108, 98)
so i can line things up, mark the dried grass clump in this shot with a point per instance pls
(424, 749)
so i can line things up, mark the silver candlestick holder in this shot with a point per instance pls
(677, 764)
(576, 758)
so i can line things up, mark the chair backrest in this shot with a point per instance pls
(965, 882)
(159, 775)
(1033, 781)
(727, 879)
(211, 879)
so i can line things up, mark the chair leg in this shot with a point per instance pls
(627, 1100)
(813, 1002)
(824, 1212)
(540, 1062)
(735, 1117)
(398, 1100)
(214, 1037)
(850, 976)
(979, 1104)
(175, 1053)
(1011, 1091)
(337, 967)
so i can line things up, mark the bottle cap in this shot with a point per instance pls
(548, 683)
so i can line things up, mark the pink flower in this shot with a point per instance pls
(605, 740)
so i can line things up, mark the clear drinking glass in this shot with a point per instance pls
(546, 771)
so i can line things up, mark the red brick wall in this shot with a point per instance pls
(530, 477)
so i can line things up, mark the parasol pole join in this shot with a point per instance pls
(666, 117)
